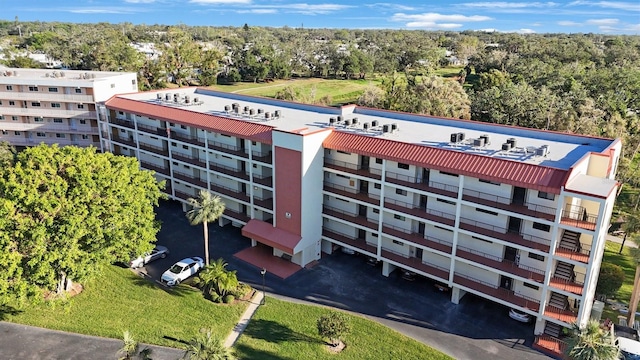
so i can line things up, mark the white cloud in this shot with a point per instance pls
(633, 28)
(435, 17)
(526, 31)
(390, 6)
(258, 11)
(614, 5)
(104, 10)
(509, 5)
(430, 25)
(216, 2)
(140, 1)
(316, 9)
(602, 22)
(568, 23)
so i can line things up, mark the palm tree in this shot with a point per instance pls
(130, 348)
(217, 279)
(206, 346)
(591, 343)
(206, 208)
(631, 225)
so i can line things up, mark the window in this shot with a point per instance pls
(401, 192)
(17, 133)
(481, 239)
(541, 227)
(255, 166)
(378, 161)
(174, 144)
(530, 286)
(35, 104)
(12, 103)
(80, 106)
(172, 124)
(342, 176)
(33, 88)
(377, 186)
(5, 132)
(398, 242)
(41, 134)
(446, 201)
(1, 117)
(399, 217)
(225, 135)
(14, 118)
(183, 127)
(489, 182)
(133, 82)
(448, 173)
(546, 195)
(487, 211)
(185, 147)
(78, 91)
(57, 120)
(60, 135)
(375, 211)
(83, 122)
(253, 143)
(403, 166)
(38, 119)
(53, 89)
(55, 105)
(536, 257)
(9, 87)
(85, 136)
(343, 152)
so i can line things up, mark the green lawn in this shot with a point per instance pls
(287, 331)
(120, 300)
(627, 264)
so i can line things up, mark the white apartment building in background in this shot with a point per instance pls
(56, 106)
(514, 215)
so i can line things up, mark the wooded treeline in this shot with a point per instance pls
(579, 83)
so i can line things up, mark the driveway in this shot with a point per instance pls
(475, 329)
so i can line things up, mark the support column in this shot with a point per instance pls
(387, 268)
(456, 294)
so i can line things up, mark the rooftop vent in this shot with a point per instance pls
(195, 100)
(187, 99)
(246, 109)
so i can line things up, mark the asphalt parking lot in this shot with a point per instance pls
(475, 329)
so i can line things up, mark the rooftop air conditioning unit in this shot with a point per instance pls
(260, 111)
(187, 99)
(543, 150)
(365, 126)
(195, 100)
(478, 142)
(354, 120)
(453, 138)
(385, 128)
(461, 136)
(167, 96)
(512, 141)
(252, 112)
(267, 115)
(332, 120)
(278, 113)
(394, 127)
(159, 96)
(486, 139)
(374, 123)
(226, 107)
(506, 146)
(347, 122)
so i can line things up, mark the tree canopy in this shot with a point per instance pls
(67, 212)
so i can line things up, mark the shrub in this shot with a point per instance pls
(333, 326)
(227, 299)
(610, 279)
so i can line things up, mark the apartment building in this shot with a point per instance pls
(56, 106)
(514, 215)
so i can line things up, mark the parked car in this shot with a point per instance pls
(348, 251)
(182, 270)
(521, 316)
(409, 275)
(159, 252)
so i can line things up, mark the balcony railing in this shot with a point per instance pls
(350, 193)
(557, 313)
(350, 168)
(44, 96)
(349, 240)
(154, 167)
(228, 171)
(499, 232)
(417, 264)
(129, 142)
(229, 149)
(581, 254)
(122, 122)
(154, 149)
(188, 159)
(500, 264)
(233, 193)
(190, 179)
(348, 216)
(497, 292)
(577, 216)
(152, 130)
(263, 180)
(236, 215)
(262, 157)
(418, 239)
(420, 184)
(184, 195)
(572, 286)
(505, 203)
(265, 203)
(186, 138)
(49, 112)
(425, 213)
(550, 345)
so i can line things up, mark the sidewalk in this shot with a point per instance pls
(618, 240)
(255, 301)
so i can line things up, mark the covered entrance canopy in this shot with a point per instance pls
(265, 233)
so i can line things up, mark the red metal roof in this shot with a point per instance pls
(219, 124)
(267, 234)
(542, 178)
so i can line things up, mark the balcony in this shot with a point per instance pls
(350, 192)
(126, 123)
(262, 157)
(156, 168)
(45, 96)
(152, 130)
(232, 193)
(228, 171)
(418, 183)
(236, 215)
(574, 287)
(418, 239)
(188, 159)
(350, 240)
(49, 112)
(497, 292)
(154, 149)
(265, 203)
(557, 313)
(418, 264)
(499, 232)
(186, 138)
(190, 179)
(350, 168)
(505, 203)
(184, 196)
(167, 188)
(550, 345)
(263, 180)
(226, 148)
(350, 217)
(577, 216)
(500, 264)
(428, 214)
(582, 255)
(121, 140)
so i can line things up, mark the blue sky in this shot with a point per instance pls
(605, 17)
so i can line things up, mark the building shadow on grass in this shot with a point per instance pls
(249, 353)
(179, 290)
(6, 310)
(274, 332)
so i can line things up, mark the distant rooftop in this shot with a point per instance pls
(547, 148)
(20, 74)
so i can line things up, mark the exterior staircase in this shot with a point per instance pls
(553, 329)
(564, 271)
(570, 241)
(550, 341)
(559, 301)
